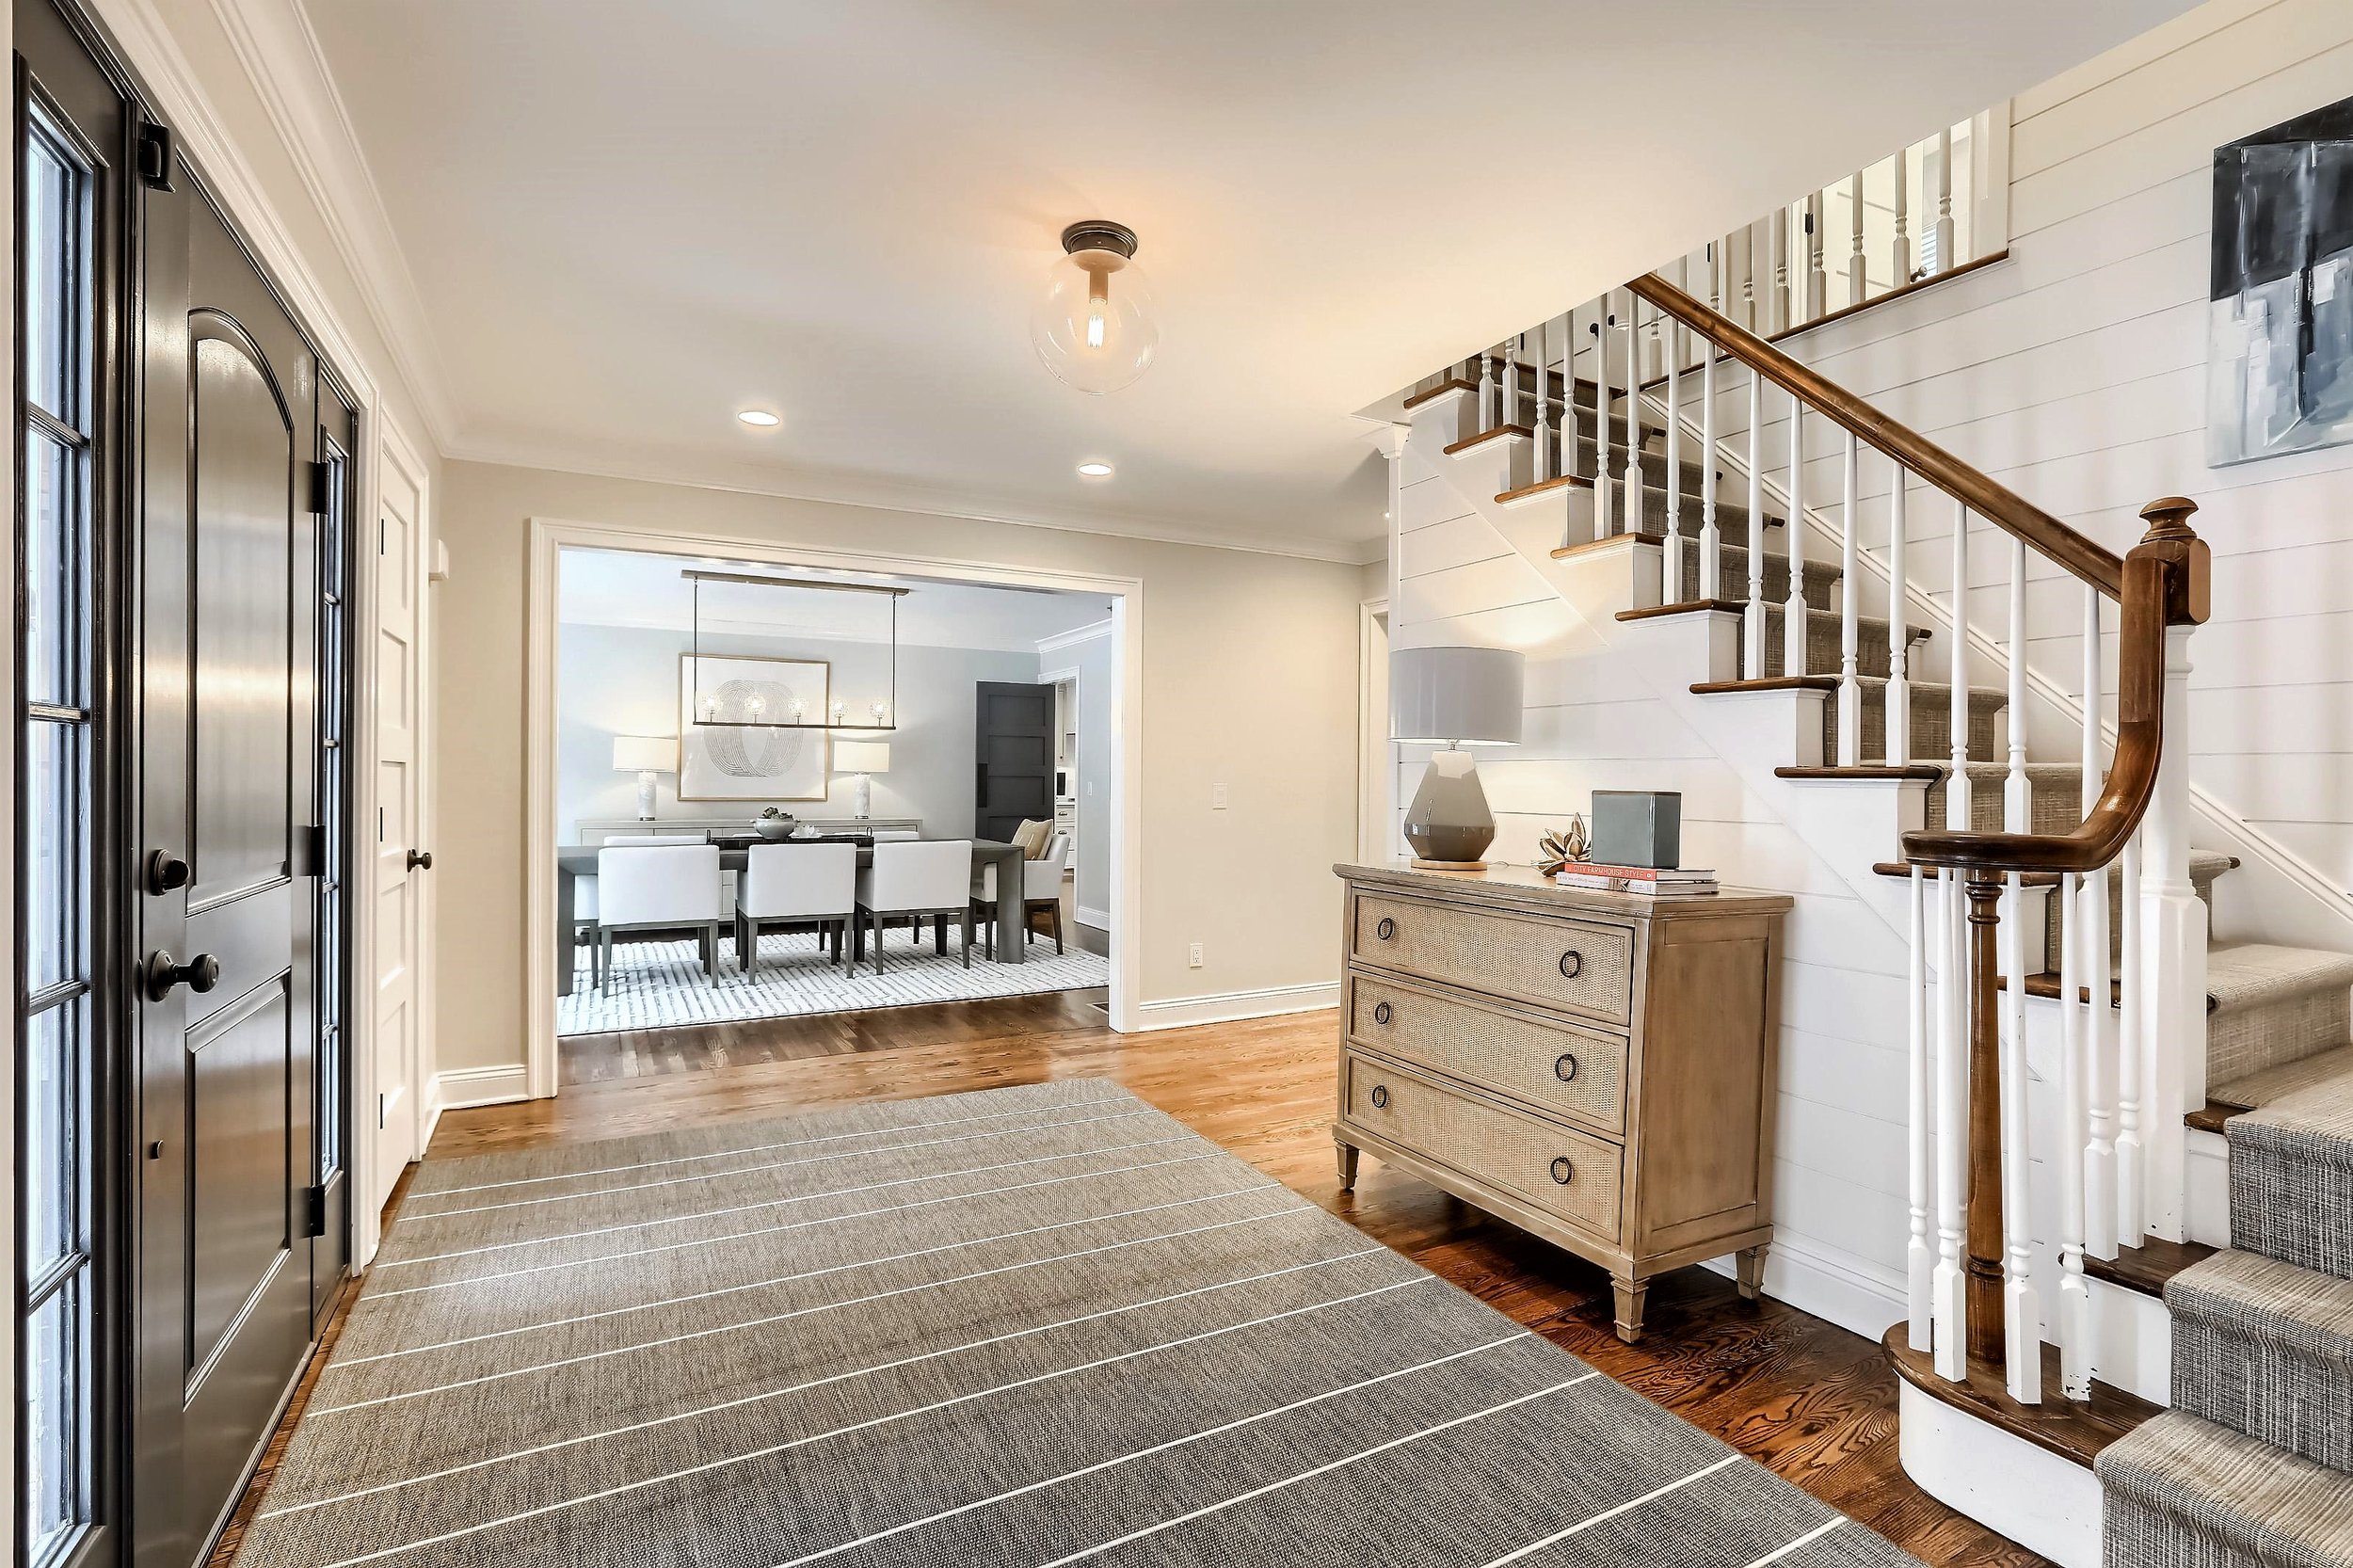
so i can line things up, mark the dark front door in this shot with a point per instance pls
(1015, 779)
(228, 795)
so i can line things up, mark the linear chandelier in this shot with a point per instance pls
(884, 715)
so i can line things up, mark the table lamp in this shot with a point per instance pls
(1452, 699)
(864, 759)
(645, 756)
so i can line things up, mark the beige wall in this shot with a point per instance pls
(1249, 679)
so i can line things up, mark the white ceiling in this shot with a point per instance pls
(626, 220)
(613, 587)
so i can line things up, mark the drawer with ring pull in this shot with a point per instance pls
(1550, 1065)
(1536, 1160)
(1579, 966)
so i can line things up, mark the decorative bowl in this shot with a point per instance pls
(773, 827)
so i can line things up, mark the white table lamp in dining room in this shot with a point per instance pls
(645, 756)
(864, 759)
(1453, 699)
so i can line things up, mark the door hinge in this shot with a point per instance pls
(314, 1211)
(310, 850)
(318, 488)
(155, 154)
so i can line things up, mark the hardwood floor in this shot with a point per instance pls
(1810, 1400)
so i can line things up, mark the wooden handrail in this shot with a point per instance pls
(2165, 583)
(2005, 508)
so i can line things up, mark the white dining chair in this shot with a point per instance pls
(795, 884)
(913, 880)
(658, 887)
(584, 925)
(1041, 890)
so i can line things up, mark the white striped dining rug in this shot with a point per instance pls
(1028, 1327)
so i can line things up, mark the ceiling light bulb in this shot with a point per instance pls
(1095, 470)
(760, 417)
(1094, 332)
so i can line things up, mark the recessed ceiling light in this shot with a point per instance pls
(761, 417)
(1095, 469)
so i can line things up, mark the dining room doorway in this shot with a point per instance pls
(768, 791)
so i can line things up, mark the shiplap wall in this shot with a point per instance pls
(2075, 373)
(1839, 1182)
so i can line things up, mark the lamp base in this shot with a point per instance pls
(1421, 865)
(1448, 824)
(645, 796)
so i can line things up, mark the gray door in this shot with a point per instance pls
(227, 792)
(1015, 779)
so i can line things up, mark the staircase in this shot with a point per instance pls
(2252, 1462)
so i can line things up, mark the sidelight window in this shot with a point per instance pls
(55, 801)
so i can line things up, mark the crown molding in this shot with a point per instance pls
(287, 68)
(769, 632)
(1076, 635)
(886, 495)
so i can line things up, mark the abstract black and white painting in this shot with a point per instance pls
(729, 746)
(2280, 336)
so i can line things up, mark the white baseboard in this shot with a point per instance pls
(1099, 918)
(1858, 1296)
(1226, 1006)
(457, 1088)
(2045, 1503)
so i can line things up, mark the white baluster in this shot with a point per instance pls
(1944, 229)
(1486, 391)
(1919, 1257)
(1957, 790)
(1632, 500)
(1748, 279)
(1777, 240)
(2074, 1299)
(1949, 1286)
(1851, 621)
(2089, 918)
(1903, 239)
(1752, 624)
(2173, 961)
(1793, 624)
(1817, 286)
(1858, 270)
(1510, 410)
(1674, 472)
(1711, 542)
(2132, 1056)
(1898, 697)
(2021, 1300)
(1542, 429)
(1604, 512)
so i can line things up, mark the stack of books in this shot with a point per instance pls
(1650, 881)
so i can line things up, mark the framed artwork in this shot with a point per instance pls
(2279, 327)
(724, 753)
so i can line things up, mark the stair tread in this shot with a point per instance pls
(2262, 1501)
(2259, 1089)
(1543, 486)
(1980, 696)
(2250, 974)
(2150, 1267)
(2318, 1109)
(2244, 1292)
(1915, 772)
(2078, 1431)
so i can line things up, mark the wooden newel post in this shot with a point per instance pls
(1985, 1124)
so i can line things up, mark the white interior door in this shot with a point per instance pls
(393, 1086)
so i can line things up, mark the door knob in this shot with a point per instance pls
(420, 860)
(199, 973)
(165, 873)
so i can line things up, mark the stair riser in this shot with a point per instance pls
(2248, 1040)
(2138, 1536)
(2291, 1197)
(1731, 571)
(1822, 655)
(2059, 810)
(2289, 1398)
(1931, 726)
(2056, 928)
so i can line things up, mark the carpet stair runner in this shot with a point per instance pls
(2253, 1465)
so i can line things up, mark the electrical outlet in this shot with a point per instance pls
(1193, 956)
(1217, 797)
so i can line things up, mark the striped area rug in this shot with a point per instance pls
(1029, 1327)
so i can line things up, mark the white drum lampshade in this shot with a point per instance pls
(864, 759)
(1453, 697)
(645, 756)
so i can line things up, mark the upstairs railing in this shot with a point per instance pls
(1651, 381)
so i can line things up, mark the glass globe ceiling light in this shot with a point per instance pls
(1094, 327)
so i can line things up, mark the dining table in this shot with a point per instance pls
(574, 861)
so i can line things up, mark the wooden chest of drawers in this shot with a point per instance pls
(1597, 1068)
